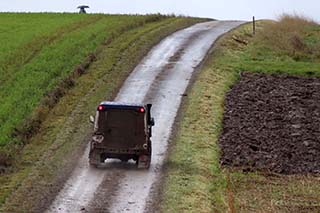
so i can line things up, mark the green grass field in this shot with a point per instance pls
(64, 70)
(195, 181)
(38, 51)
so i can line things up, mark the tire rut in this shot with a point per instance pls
(119, 187)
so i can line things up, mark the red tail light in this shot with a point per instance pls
(100, 108)
(142, 110)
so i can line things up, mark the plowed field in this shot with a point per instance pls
(272, 122)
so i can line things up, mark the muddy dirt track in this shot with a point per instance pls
(161, 79)
(272, 122)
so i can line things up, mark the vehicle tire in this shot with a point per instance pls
(94, 164)
(149, 148)
(94, 159)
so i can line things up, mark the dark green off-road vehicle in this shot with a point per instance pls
(122, 131)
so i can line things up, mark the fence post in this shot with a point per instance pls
(254, 25)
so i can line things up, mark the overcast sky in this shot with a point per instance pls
(223, 9)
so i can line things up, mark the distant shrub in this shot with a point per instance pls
(292, 35)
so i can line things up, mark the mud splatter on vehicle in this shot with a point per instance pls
(122, 131)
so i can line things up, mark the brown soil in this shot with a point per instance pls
(272, 122)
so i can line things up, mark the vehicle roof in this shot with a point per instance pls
(120, 104)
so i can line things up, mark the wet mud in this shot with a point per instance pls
(272, 123)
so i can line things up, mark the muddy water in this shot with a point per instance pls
(161, 79)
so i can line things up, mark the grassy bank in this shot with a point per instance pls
(195, 181)
(39, 170)
(43, 52)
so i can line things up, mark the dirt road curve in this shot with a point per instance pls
(161, 79)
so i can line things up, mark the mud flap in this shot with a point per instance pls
(144, 162)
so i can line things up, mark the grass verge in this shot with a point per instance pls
(47, 160)
(195, 181)
(41, 61)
